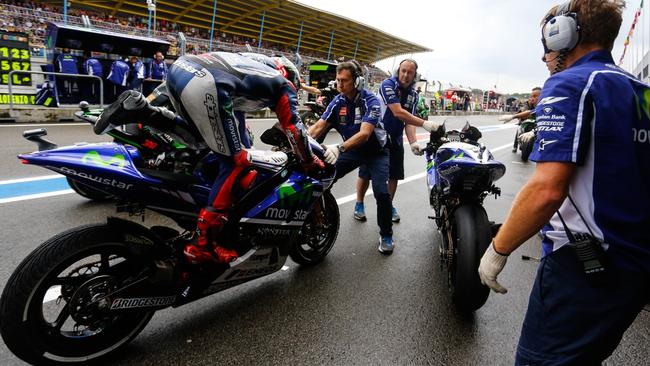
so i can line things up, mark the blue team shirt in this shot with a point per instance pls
(92, 66)
(119, 72)
(138, 70)
(67, 64)
(157, 71)
(391, 93)
(347, 115)
(597, 116)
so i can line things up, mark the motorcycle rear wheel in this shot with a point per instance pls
(526, 149)
(471, 234)
(54, 308)
(87, 191)
(319, 232)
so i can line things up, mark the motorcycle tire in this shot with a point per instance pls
(88, 192)
(526, 149)
(51, 309)
(318, 234)
(309, 118)
(472, 235)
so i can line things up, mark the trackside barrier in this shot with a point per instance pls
(10, 85)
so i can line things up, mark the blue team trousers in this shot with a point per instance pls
(377, 167)
(572, 322)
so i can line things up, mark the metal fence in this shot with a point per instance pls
(10, 84)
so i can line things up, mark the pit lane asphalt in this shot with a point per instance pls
(358, 307)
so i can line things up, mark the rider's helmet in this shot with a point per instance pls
(288, 70)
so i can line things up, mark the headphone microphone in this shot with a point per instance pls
(561, 32)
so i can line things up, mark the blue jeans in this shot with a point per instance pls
(377, 167)
(571, 322)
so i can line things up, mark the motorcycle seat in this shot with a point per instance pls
(266, 157)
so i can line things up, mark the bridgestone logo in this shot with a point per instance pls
(142, 302)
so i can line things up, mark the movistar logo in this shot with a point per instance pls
(93, 157)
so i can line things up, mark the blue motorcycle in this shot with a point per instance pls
(87, 292)
(460, 173)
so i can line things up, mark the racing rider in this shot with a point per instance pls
(204, 90)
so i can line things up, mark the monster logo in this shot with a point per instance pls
(289, 197)
(94, 158)
(645, 102)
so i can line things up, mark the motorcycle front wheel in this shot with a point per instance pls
(55, 308)
(318, 234)
(471, 234)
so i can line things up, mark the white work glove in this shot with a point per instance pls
(416, 149)
(331, 154)
(431, 126)
(527, 137)
(506, 118)
(491, 265)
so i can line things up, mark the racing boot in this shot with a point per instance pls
(132, 107)
(205, 249)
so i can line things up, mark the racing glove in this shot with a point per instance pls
(506, 118)
(416, 149)
(331, 153)
(431, 126)
(527, 137)
(491, 265)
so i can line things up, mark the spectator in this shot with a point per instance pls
(156, 73)
(90, 87)
(66, 63)
(136, 74)
(119, 75)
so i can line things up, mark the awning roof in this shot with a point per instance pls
(282, 22)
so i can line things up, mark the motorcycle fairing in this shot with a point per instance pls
(460, 166)
(111, 168)
(288, 204)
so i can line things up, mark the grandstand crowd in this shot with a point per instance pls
(31, 17)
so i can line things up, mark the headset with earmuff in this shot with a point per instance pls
(416, 78)
(561, 32)
(359, 81)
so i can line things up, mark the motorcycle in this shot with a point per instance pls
(87, 292)
(526, 147)
(460, 174)
(316, 110)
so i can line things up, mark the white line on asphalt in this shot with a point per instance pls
(37, 195)
(48, 124)
(23, 180)
(349, 198)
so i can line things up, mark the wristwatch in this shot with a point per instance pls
(341, 148)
